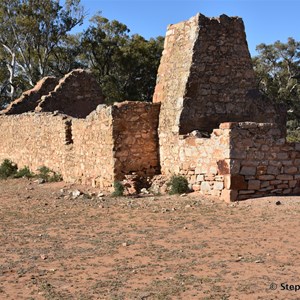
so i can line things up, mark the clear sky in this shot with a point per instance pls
(265, 20)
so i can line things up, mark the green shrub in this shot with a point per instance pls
(7, 169)
(293, 136)
(48, 175)
(178, 185)
(118, 189)
(24, 172)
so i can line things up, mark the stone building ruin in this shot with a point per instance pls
(208, 122)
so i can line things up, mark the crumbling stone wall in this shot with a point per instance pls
(34, 140)
(261, 162)
(201, 161)
(206, 77)
(205, 82)
(111, 142)
(90, 157)
(76, 95)
(136, 139)
(29, 99)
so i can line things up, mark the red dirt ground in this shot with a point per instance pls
(154, 247)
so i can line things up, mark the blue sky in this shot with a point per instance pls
(265, 20)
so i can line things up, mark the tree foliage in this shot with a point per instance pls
(278, 70)
(30, 32)
(35, 41)
(125, 65)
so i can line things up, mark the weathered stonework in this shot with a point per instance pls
(206, 77)
(77, 94)
(29, 99)
(96, 150)
(266, 164)
(208, 123)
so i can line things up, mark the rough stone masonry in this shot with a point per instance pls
(208, 122)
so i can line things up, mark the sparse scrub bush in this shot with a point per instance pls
(7, 169)
(118, 189)
(24, 172)
(48, 175)
(178, 185)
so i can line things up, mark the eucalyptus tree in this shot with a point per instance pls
(277, 67)
(30, 32)
(125, 65)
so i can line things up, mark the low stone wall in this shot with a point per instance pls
(111, 142)
(261, 162)
(239, 161)
(200, 160)
(34, 140)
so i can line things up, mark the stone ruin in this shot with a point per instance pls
(208, 122)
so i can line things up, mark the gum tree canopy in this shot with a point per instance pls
(30, 32)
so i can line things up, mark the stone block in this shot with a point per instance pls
(218, 185)
(254, 184)
(275, 182)
(205, 186)
(246, 192)
(235, 166)
(219, 178)
(290, 170)
(287, 191)
(293, 183)
(282, 155)
(235, 182)
(275, 163)
(200, 178)
(209, 177)
(276, 191)
(213, 170)
(223, 167)
(238, 154)
(265, 184)
(266, 177)
(297, 146)
(273, 170)
(246, 170)
(284, 177)
(287, 162)
(196, 187)
(282, 186)
(266, 189)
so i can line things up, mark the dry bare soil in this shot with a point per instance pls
(154, 247)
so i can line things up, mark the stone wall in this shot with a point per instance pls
(77, 94)
(29, 99)
(136, 140)
(111, 142)
(201, 161)
(239, 161)
(90, 157)
(34, 140)
(206, 78)
(261, 162)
